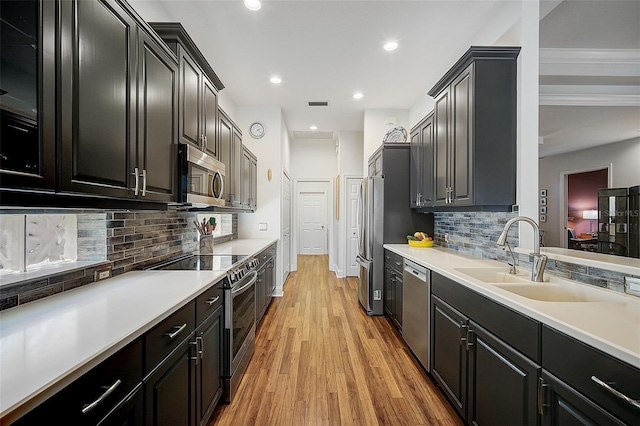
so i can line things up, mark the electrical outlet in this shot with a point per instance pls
(632, 286)
(102, 274)
(446, 237)
(377, 295)
(262, 227)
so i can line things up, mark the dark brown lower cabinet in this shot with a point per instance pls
(486, 379)
(129, 413)
(565, 407)
(209, 369)
(502, 382)
(449, 354)
(170, 389)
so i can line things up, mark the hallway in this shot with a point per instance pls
(320, 360)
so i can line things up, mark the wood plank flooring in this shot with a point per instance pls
(320, 360)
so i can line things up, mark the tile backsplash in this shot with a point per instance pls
(476, 233)
(124, 240)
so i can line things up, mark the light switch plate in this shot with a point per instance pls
(262, 227)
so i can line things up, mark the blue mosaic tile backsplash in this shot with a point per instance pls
(476, 233)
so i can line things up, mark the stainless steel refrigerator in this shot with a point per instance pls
(384, 216)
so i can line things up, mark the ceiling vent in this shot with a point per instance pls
(319, 103)
(312, 134)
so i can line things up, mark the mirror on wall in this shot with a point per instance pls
(589, 119)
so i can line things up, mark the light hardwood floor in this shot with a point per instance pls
(320, 360)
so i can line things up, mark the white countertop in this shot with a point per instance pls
(612, 326)
(48, 343)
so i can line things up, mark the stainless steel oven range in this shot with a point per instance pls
(239, 305)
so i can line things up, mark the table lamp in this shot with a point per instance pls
(591, 215)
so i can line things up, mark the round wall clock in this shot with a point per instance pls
(257, 130)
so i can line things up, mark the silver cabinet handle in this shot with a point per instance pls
(541, 396)
(196, 357)
(200, 341)
(469, 338)
(101, 398)
(212, 300)
(178, 329)
(135, 174)
(144, 182)
(463, 333)
(617, 393)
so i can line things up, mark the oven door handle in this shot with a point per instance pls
(245, 287)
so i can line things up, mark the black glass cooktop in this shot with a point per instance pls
(216, 262)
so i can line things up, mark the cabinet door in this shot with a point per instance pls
(190, 103)
(461, 139)
(372, 168)
(234, 173)
(225, 139)
(128, 413)
(416, 171)
(563, 406)
(210, 119)
(98, 98)
(209, 376)
(449, 353)
(398, 300)
(157, 124)
(389, 291)
(27, 111)
(170, 390)
(440, 149)
(426, 161)
(245, 193)
(270, 278)
(253, 172)
(259, 294)
(500, 377)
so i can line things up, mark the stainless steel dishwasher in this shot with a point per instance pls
(416, 309)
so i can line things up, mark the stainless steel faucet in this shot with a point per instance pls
(539, 260)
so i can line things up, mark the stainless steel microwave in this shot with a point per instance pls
(201, 178)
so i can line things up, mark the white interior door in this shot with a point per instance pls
(312, 210)
(286, 226)
(351, 187)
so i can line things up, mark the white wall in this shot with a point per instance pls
(622, 157)
(228, 105)
(420, 110)
(375, 128)
(313, 158)
(269, 152)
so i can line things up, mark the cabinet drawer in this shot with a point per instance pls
(394, 260)
(91, 397)
(515, 329)
(575, 363)
(166, 336)
(209, 301)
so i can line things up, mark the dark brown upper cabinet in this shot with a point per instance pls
(27, 95)
(118, 104)
(230, 153)
(473, 150)
(198, 90)
(421, 183)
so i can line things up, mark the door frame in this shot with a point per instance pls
(563, 194)
(329, 183)
(285, 175)
(343, 239)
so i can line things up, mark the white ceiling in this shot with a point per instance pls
(326, 50)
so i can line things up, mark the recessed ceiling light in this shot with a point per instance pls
(313, 127)
(357, 95)
(253, 4)
(275, 80)
(390, 45)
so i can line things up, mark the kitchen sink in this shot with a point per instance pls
(496, 275)
(550, 292)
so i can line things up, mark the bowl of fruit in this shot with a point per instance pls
(420, 239)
